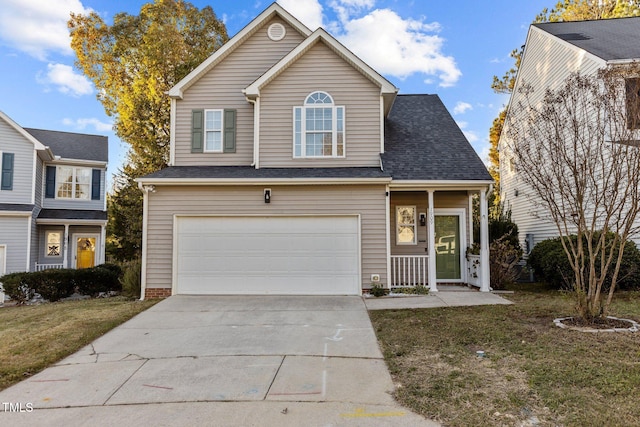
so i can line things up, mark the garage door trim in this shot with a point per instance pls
(176, 217)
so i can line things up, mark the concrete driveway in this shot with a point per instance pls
(224, 360)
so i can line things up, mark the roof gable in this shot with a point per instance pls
(274, 10)
(36, 144)
(609, 39)
(387, 89)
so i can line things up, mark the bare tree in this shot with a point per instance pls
(577, 150)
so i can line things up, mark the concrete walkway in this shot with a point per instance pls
(452, 296)
(233, 361)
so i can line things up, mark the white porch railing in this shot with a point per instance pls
(409, 270)
(40, 267)
(474, 270)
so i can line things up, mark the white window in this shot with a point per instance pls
(213, 131)
(406, 225)
(73, 183)
(53, 244)
(318, 127)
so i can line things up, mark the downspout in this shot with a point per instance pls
(484, 240)
(256, 131)
(145, 218)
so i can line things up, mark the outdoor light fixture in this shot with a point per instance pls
(423, 219)
(267, 195)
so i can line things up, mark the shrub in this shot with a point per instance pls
(131, 280)
(551, 265)
(504, 256)
(15, 287)
(52, 285)
(93, 281)
(378, 291)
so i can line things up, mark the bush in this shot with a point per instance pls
(504, 256)
(551, 265)
(93, 281)
(131, 280)
(15, 287)
(52, 285)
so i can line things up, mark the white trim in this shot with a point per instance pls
(103, 244)
(36, 144)
(65, 247)
(74, 183)
(414, 225)
(275, 9)
(261, 181)
(63, 161)
(60, 221)
(440, 184)
(29, 227)
(460, 213)
(74, 247)
(431, 244)
(33, 176)
(4, 260)
(484, 242)
(172, 133)
(145, 227)
(334, 128)
(387, 221)
(381, 125)
(256, 133)
(205, 130)
(386, 87)
(470, 218)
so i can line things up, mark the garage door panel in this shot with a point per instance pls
(267, 255)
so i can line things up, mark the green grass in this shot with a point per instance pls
(34, 337)
(532, 368)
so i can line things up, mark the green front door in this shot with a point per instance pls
(447, 228)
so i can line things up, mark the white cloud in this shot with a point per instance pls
(81, 124)
(461, 107)
(309, 12)
(37, 27)
(67, 81)
(471, 136)
(400, 47)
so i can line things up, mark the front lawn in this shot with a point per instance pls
(34, 337)
(533, 371)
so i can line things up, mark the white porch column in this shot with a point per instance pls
(470, 216)
(484, 242)
(65, 247)
(431, 242)
(103, 244)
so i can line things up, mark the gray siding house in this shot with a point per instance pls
(552, 52)
(296, 168)
(52, 198)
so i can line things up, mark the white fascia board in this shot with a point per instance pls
(625, 61)
(61, 161)
(261, 181)
(15, 213)
(178, 90)
(42, 149)
(439, 185)
(386, 87)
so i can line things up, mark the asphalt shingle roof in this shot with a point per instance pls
(240, 172)
(73, 145)
(609, 39)
(423, 142)
(16, 207)
(72, 214)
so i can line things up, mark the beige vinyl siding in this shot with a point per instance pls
(547, 63)
(320, 69)
(441, 200)
(97, 205)
(222, 88)
(367, 201)
(13, 142)
(13, 234)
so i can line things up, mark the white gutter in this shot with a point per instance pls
(261, 181)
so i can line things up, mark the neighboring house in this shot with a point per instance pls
(552, 52)
(52, 198)
(295, 168)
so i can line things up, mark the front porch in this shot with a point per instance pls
(430, 231)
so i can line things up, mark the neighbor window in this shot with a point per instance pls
(633, 102)
(6, 164)
(73, 183)
(53, 244)
(406, 225)
(318, 127)
(213, 131)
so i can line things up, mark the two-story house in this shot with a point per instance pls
(52, 198)
(553, 51)
(296, 168)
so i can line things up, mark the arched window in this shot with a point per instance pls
(318, 127)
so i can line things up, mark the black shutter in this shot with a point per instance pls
(50, 180)
(7, 171)
(95, 184)
(229, 131)
(197, 131)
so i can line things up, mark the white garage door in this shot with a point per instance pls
(267, 255)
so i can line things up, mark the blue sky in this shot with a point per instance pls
(452, 49)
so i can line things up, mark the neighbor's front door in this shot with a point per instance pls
(85, 252)
(447, 232)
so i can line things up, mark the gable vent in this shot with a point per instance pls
(276, 32)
